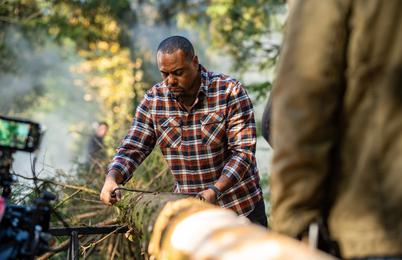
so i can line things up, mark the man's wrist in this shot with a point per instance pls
(116, 176)
(218, 193)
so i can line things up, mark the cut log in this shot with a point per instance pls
(140, 210)
(175, 227)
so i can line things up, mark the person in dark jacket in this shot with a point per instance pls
(266, 122)
(337, 125)
(95, 147)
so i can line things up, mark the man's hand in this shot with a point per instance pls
(106, 195)
(208, 195)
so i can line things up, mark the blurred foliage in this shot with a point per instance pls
(243, 29)
(84, 23)
(109, 72)
(260, 88)
(247, 30)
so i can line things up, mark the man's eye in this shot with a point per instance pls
(164, 75)
(178, 73)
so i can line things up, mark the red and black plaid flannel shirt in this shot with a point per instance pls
(216, 137)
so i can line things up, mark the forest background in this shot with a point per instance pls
(68, 64)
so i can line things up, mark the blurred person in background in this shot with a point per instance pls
(95, 147)
(337, 126)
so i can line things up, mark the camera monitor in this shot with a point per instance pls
(17, 134)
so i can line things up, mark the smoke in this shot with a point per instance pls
(43, 75)
(17, 80)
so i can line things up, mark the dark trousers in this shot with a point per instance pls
(258, 216)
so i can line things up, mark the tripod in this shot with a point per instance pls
(6, 179)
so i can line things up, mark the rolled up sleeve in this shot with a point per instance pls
(137, 144)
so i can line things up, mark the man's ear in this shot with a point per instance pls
(195, 61)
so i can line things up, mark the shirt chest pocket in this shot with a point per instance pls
(213, 129)
(169, 132)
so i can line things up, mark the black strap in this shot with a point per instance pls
(218, 193)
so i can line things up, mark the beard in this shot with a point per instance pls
(177, 90)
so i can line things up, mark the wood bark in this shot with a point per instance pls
(140, 210)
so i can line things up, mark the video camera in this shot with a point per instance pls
(17, 134)
(22, 228)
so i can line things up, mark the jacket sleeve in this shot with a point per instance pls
(307, 99)
(138, 143)
(266, 121)
(241, 134)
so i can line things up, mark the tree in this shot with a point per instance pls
(248, 31)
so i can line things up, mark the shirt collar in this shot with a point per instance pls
(204, 80)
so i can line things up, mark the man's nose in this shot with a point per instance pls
(171, 80)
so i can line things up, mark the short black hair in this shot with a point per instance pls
(103, 123)
(174, 43)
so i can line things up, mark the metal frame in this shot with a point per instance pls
(73, 252)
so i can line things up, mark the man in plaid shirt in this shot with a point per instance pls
(204, 125)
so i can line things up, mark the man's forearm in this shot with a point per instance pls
(224, 183)
(238, 165)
